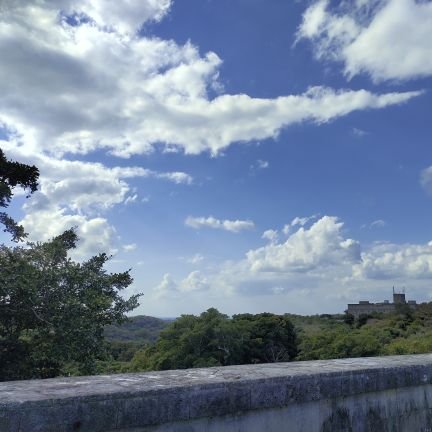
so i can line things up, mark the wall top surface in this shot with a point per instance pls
(372, 374)
(137, 402)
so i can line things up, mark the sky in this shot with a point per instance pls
(248, 155)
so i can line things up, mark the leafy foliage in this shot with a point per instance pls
(53, 310)
(13, 174)
(404, 332)
(213, 339)
(125, 339)
(141, 328)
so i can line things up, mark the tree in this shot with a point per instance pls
(13, 174)
(53, 310)
(349, 319)
(213, 339)
(272, 338)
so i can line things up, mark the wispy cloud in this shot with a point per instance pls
(362, 35)
(234, 226)
(359, 132)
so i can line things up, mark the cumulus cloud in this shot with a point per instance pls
(125, 16)
(77, 193)
(95, 233)
(316, 259)
(78, 77)
(391, 261)
(387, 39)
(323, 249)
(83, 186)
(167, 287)
(234, 226)
(193, 282)
(85, 87)
(320, 245)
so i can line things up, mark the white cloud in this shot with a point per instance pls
(95, 234)
(359, 132)
(317, 269)
(394, 262)
(193, 282)
(313, 20)
(129, 247)
(77, 193)
(305, 250)
(387, 39)
(310, 259)
(97, 85)
(176, 177)
(226, 225)
(298, 221)
(302, 221)
(260, 164)
(131, 199)
(167, 287)
(86, 87)
(123, 16)
(195, 259)
(426, 179)
(83, 186)
(271, 235)
(379, 223)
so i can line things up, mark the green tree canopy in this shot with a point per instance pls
(213, 339)
(13, 174)
(53, 310)
(272, 338)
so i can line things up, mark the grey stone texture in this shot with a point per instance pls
(369, 394)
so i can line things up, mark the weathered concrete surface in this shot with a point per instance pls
(370, 394)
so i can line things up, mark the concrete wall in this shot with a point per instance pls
(370, 394)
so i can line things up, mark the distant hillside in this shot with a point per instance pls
(140, 329)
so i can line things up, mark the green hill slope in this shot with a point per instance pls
(140, 329)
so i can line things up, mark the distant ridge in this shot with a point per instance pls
(140, 328)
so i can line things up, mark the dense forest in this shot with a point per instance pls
(213, 339)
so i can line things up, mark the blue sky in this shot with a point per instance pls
(247, 155)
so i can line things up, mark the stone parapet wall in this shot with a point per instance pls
(368, 394)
